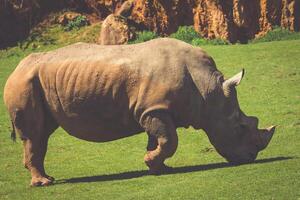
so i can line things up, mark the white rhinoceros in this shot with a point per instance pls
(104, 93)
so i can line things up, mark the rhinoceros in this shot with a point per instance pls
(102, 93)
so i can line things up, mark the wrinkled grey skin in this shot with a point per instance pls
(104, 93)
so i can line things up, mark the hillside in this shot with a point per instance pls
(233, 20)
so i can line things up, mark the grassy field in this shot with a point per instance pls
(115, 170)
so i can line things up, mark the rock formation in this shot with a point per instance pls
(115, 28)
(234, 20)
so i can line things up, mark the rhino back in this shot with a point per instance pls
(101, 93)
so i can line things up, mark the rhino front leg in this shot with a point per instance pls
(162, 143)
(152, 143)
(34, 155)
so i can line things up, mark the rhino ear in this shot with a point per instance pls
(232, 82)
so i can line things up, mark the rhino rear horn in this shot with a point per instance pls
(232, 82)
(265, 137)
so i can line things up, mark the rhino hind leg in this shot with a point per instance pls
(35, 148)
(34, 154)
(34, 124)
(162, 143)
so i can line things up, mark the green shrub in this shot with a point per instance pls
(186, 34)
(199, 42)
(78, 22)
(277, 34)
(218, 41)
(143, 37)
(202, 41)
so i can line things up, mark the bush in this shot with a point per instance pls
(144, 36)
(277, 34)
(218, 41)
(186, 34)
(202, 41)
(78, 22)
(199, 42)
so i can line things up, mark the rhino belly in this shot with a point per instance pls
(98, 128)
(95, 117)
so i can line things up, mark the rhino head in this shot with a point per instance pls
(235, 135)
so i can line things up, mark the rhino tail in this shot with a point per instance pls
(13, 132)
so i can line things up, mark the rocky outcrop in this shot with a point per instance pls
(234, 20)
(14, 23)
(240, 20)
(18, 17)
(211, 21)
(114, 30)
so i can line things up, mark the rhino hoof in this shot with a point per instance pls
(41, 181)
(50, 178)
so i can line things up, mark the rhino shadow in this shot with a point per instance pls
(175, 170)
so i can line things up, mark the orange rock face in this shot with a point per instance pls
(240, 20)
(234, 20)
(211, 20)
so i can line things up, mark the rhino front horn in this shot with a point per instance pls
(266, 136)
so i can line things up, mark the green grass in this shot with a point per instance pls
(115, 170)
(55, 36)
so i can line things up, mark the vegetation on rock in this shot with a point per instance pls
(76, 23)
